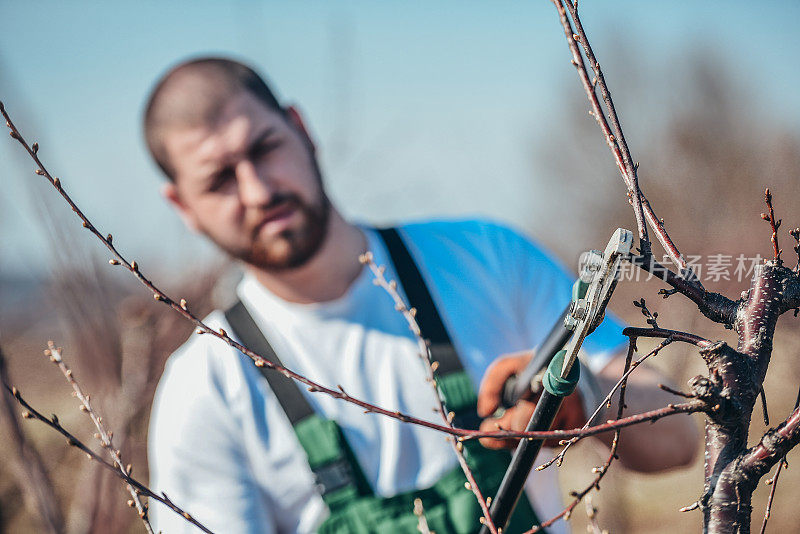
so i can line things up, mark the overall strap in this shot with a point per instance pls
(291, 399)
(456, 390)
(337, 475)
(416, 290)
(454, 385)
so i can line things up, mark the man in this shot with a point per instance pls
(225, 443)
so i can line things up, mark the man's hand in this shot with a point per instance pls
(489, 396)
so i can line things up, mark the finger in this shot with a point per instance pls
(520, 415)
(491, 425)
(522, 354)
(514, 419)
(494, 380)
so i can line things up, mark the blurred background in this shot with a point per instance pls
(419, 109)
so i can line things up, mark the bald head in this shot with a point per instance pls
(193, 94)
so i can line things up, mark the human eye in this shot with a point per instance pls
(220, 179)
(264, 147)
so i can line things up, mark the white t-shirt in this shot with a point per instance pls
(222, 448)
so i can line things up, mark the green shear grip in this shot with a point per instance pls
(552, 380)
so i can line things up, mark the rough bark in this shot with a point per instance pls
(735, 380)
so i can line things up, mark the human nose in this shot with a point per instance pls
(254, 190)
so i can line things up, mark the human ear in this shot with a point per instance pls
(170, 192)
(296, 120)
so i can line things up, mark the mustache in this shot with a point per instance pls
(278, 200)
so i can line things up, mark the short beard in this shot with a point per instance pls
(295, 247)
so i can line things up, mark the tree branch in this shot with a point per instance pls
(425, 355)
(714, 306)
(606, 402)
(730, 500)
(31, 413)
(182, 308)
(673, 335)
(774, 444)
(103, 435)
(616, 141)
(774, 225)
(774, 481)
(626, 168)
(28, 466)
(603, 469)
(735, 376)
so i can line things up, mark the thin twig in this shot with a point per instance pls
(770, 217)
(27, 464)
(31, 413)
(691, 288)
(182, 308)
(633, 333)
(599, 471)
(666, 241)
(606, 402)
(763, 396)
(614, 136)
(774, 481)
(675, 335)
(651, 318)
(795, 233)
(591, 515)
(677, 392)
(422, 521)
(599, 115)
(618, 138)
(103, 435)
(430, 369)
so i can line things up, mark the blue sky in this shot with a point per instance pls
(419, 108)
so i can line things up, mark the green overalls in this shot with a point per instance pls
(354, 508)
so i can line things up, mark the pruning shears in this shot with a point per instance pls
(558, 356)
